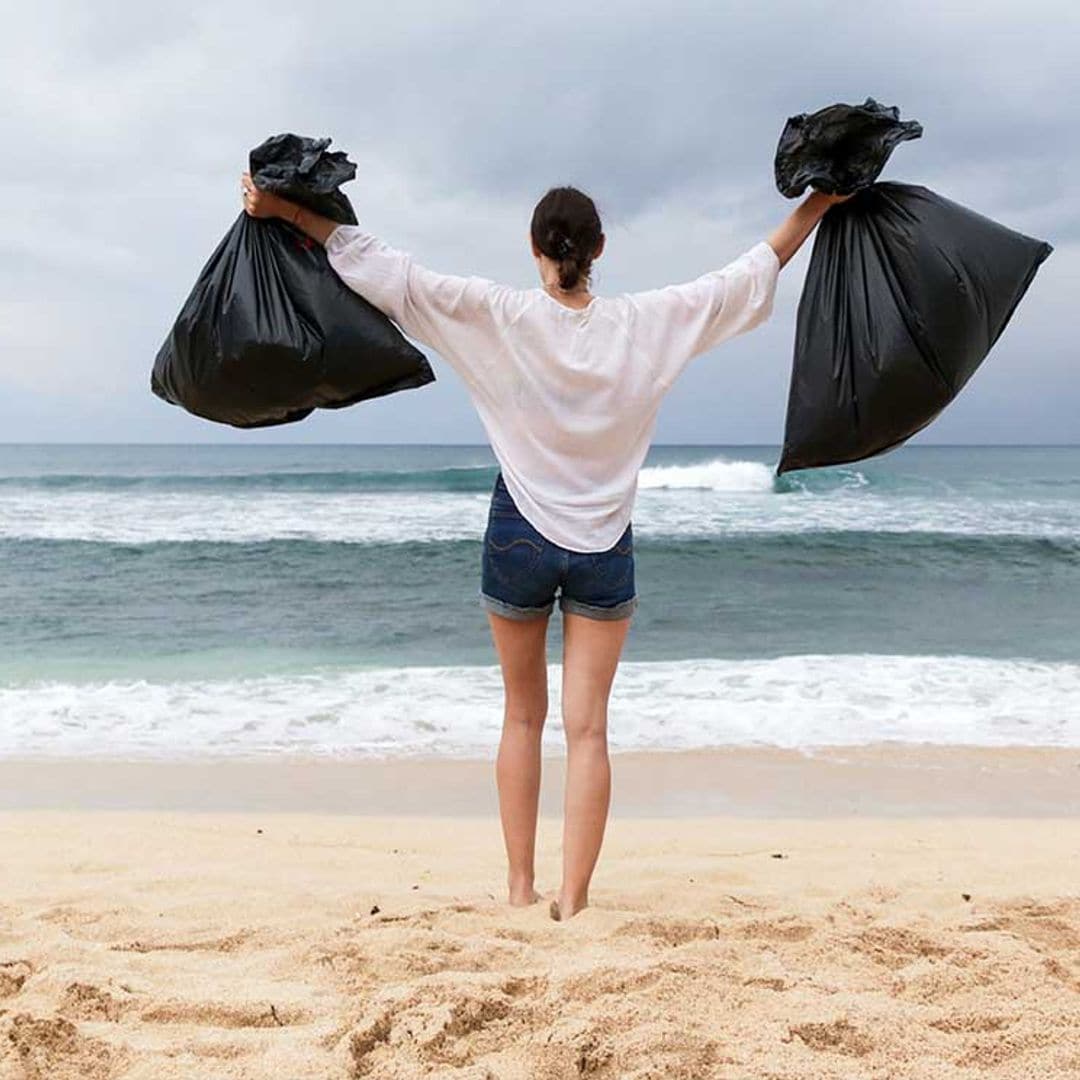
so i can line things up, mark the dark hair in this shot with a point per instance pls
(566, 228)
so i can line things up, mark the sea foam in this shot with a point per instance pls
(798, 701)
(717, 475)
(714, 498)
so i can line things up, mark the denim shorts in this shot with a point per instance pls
(522, 570)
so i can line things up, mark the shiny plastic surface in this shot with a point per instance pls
(839, 149)
(269, 332)
(905, 294)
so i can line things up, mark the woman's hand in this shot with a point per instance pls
(264, 204)
(790, 234)
(833, 199)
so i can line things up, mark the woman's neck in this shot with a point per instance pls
(572, 298)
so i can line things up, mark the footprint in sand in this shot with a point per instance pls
(787, 928)
(50, 1048)
(895, 946)
(227, 944)
(837, 1036)
(1054, 926)
(525, 985)
(576, 1046)
(971, 1023)
(996, 1049)
(365, 1040)
(427, 1026)
(218, 1014)
(437, 954)
(13, 975)
(604, 982)
(1057, 970)
(767, 983)
(84, 1001)
(670, 931)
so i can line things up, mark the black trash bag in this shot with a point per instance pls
(905, 295)
(269, 332)
(839, 149)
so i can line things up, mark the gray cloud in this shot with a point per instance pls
(127, 126)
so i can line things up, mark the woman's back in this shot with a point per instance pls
(568, 396)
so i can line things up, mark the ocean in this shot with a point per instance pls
(177, 601)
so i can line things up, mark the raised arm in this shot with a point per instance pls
(451, 314)
(788, 237)
(785, 240)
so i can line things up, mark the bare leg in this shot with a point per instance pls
(591, 649)
(522, 649)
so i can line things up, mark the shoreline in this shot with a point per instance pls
(881, 780)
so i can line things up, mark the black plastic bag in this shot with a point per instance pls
(839, 149)
(269, 332)
(905, 294)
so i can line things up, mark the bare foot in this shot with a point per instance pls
(560, 912)
(523, 898)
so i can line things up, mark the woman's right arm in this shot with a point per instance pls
(265, 204)
(447, 312)
(790, 234)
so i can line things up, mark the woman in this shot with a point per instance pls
(567, 385)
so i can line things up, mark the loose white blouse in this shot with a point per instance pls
(568, 398)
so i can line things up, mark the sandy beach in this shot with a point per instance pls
(846, 934)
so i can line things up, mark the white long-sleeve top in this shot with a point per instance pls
(568, 398)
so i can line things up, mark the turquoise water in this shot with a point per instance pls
(246, 599)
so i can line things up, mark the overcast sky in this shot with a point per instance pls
(125, 127)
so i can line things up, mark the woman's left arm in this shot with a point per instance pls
(789, 235)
